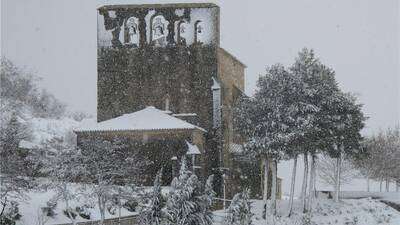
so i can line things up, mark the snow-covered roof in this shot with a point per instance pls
(236, 148)
(192, 149)
(215, 85)
(27, 145)
(149, 118)
(184, 114)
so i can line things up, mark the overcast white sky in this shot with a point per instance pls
(360, 39)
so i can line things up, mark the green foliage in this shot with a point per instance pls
(10, 214)
(83, 212)
(152, 213)
(189, 202)
(239, 211)
(131, 205)
(271, 120)
(69, 213)
(300, 109)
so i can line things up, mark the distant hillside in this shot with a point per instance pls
(44, 116)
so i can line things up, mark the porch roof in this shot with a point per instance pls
(148, 119)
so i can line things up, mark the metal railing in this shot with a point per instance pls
(126, 220)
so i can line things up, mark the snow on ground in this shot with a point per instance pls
(30, 209)
(365, 211)
(357, 184)
(387, 196)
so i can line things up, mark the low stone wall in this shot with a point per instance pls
(127, 220)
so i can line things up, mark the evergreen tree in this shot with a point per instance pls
(345, 139)
(239, 211)
(206, 201)
(152, 213)
(272, 121)
(187, 202)
(318, 85)
(14, 181)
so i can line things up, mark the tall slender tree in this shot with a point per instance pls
(272, 122)
(345, 138)
(319, 91)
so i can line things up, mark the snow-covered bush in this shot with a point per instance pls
(151, 213)
(83, 211)
(239, 211)
(187, 202)
(131, 205)
(10, 214)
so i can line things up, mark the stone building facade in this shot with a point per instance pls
(169, 56)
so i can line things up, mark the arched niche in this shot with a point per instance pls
(182, 32)
(131, 31)
(158, 31)
(199, 31)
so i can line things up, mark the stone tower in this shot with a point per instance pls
(168, 56)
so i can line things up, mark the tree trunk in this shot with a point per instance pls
(380, 185)
(4, 206)
(265, 188)
(387, 184)
(304, 185)
(101, 209)
(397, 185)
(119, 211)
(273, 188)
(368, 189)
(292, 183)
(337, 184)
(311, 187)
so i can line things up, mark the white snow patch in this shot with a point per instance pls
(327, 212)
(149, 118)
(44, 129)
(192, 149)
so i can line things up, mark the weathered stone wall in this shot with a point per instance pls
(131, 79)
(231, 76)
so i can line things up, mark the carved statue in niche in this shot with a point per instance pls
(132, 32)
(159, 31)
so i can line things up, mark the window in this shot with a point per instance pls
(132, 31)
